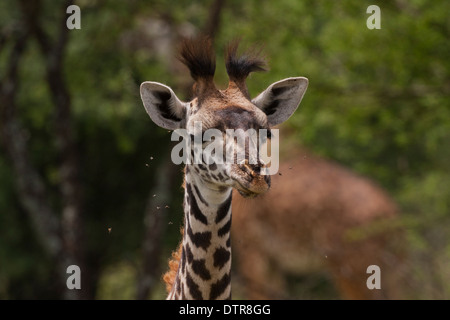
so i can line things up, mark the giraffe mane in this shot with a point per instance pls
(174, 262)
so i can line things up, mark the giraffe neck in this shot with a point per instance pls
(205, 266)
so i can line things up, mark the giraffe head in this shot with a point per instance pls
(221, 112)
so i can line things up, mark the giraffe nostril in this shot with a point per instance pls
(252, 169)
(256, 168)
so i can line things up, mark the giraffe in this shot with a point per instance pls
(201, 266)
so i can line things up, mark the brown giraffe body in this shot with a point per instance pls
(305, 224)
(202, 268)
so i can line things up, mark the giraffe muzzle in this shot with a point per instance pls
(251, 169)
(250, 181)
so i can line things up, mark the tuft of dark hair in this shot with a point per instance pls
(199, 56)
(240, 66)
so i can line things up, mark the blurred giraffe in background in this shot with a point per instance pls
(318, 216)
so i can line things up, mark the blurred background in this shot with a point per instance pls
(86, 177)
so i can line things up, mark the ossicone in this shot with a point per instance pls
(240, 66)
(199, 56)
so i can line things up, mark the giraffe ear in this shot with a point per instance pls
(162, 105)
(280, 100)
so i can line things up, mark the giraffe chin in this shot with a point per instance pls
(247, 194)
(253, 190)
